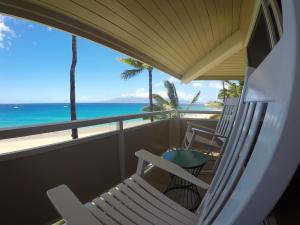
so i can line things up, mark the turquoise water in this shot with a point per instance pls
(28, 114)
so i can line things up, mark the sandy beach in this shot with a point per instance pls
(23, 143)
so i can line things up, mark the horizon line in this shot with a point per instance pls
(15, 103)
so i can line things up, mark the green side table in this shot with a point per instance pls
(180, 190)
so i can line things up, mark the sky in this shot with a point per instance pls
(35, 62)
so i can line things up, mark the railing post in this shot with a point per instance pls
(170, 129)
(178, 128)
(121, 147)
(174, 129)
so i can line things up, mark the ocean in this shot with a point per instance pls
(12, 115)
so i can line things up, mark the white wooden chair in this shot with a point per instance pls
(135, 201)
(212, 138)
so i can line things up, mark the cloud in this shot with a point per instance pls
(198, 84)
(142, 93)
(159, 84)
(30, 26)
(216, 84)
(50, 28)
(5, 33)
(173, 80)
(139, 93)
(184, 96)
(208, 84)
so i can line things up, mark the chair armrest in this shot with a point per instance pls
(199, 131)
(201, 127)
(69, 207)
(170, 167)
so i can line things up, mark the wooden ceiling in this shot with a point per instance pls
(179, 37)
(232, 68)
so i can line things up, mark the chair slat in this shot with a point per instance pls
(230, 147)
(164, 198)
(223, 119)
(234, 165)
(218, 127)
(232, 153)
(124, 209)
(100, 215)
(148, 205)
(158, 203)
(112, 212)
(139, 210)
(239, 165)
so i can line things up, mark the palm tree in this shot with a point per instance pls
(138, 68)
(72, 85)
(233, 89)
(224, 91)
(172, 102)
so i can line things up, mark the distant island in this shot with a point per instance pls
(138, 100)
(214, 104)
(127, 100)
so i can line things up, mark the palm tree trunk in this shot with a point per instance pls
(150, 91)
(224, 92)
(72, 85)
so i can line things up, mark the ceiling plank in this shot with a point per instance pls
(226, 49)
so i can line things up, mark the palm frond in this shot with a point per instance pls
(172, 94)
(227, 82)
(155, 108)
(233, 89)
(127, 74)
(160, 100)
(194, 100)
(133, 62)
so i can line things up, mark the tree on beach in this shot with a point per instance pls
(162, 104)
(232, 89)
(138, 68)
(72, 85)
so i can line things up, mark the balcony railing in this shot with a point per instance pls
(22, 131)
(89, 165)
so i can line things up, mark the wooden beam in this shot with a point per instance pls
(249, 13)
(221, 77)
(227, 48)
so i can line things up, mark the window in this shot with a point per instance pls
(266, 33)
(275, 15)
(259, 45)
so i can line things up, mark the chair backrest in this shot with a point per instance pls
(227, 117)
(223, 127)
(235, 153)
(233, 162)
